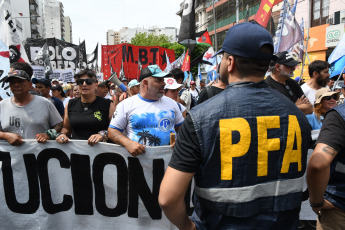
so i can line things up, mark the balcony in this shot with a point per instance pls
(33, 2)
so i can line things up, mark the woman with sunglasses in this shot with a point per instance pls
(87, 117)
(325, 99)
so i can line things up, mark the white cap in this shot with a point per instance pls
(170, 83)
(55, 79)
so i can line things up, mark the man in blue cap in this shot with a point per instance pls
(148, 117)
(247, 153)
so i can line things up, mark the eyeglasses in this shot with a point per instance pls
(327, 98)
(289, 89)
(88, 81)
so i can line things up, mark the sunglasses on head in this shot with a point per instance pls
(327, 98)
(88, 81)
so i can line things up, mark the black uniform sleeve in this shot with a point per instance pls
(186, 156)
(333, 131)
(202, 96)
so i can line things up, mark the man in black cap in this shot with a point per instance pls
(246, 147)
(27, 116)
(44, 86)
(148, 117)
(281, 79)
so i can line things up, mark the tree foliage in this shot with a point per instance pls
(162, 40)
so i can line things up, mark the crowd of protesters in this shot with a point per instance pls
(158, 104)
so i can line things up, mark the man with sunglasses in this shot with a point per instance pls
(281, 79)
(147, 118)
(27, 116)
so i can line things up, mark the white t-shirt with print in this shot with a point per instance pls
(146, 121)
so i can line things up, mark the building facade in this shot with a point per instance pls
(53, 19)
(68, 29)
(113, 37)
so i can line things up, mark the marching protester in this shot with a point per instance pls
(325, 99)
(76, 92)
(202, 85)
(147, 118)
(27, 69)
(103, 89)
(43, 86)
(57, 91)
(171, 90)
(281, 79)
(190, 96)
(326, 174)
(211, 90)
(86, 117)
(134, 88)
(27, 116)
(226, 143)
(319, 74)
(330, 83)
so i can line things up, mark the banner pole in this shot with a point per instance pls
(338, 79)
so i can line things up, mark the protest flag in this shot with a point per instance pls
(199, 59)
(4, 69)
(203, 38)
(82, 55)
(292, 31)
(43, 59)
(186, 62)
(122, 72)
(337, 67)
(263, 15)
(168, 67)
(92, 59)
(186, 35)
(208, 56)
(177, 64)
(9, 36)
(337, 59)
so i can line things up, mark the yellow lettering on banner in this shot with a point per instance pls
(228, 150)
(271, 1)
(265, 145)
(267, 8)
(291, 155)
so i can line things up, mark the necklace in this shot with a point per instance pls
(85, 106)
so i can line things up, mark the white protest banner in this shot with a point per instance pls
(55, 75)
(39, 71)
(4, 69)
(99, 76)
(67, 76)
(76, 186)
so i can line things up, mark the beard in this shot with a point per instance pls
(320, 81)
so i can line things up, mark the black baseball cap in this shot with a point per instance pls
(284, 58)
(246, 40)
(21, 74)
(44, 81)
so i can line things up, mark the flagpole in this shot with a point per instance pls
(305, 55)
(282, 25)
(215, 28)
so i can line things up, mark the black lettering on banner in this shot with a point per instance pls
(138, 187)
(143, 56)
(32, 205)
(154, 52)
(127, 51)
(82, 184)
(42, 161)
(100, 161)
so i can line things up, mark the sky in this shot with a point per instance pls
(91, 19)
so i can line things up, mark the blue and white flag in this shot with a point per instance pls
(338, 52)
(199, 72)
(208, 56)
(168, 67)
(177, 64)
(337, 67)
(288, 31)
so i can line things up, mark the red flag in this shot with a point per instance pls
(203, 38)
(186, 62)
(263, 15)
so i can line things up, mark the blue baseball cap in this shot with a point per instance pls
(246, 40)
(152, 71)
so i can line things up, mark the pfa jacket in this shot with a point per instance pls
(254, 144)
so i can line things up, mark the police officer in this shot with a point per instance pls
(326, 172)
(247, 153)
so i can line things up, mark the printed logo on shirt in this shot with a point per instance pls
(98, 115)
(165, 124)
(14, 121)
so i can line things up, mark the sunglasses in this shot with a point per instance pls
(327, 98)
(88, 81)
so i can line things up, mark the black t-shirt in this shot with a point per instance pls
(187, 145)
(333, 131)
(86, 123)
(208, 92)
(291, 89)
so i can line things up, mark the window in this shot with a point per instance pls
(320, 12)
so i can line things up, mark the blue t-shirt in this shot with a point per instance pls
(314, 122)
(146, 121)
(59, 106)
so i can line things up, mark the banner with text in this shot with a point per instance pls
(75, 186)
(114, 55)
